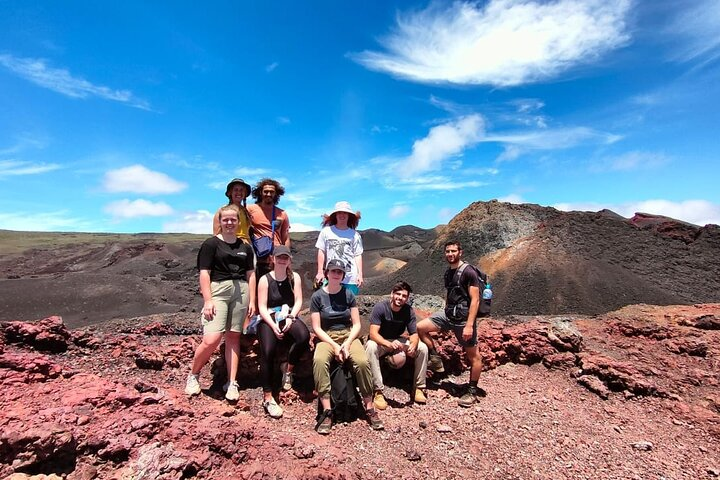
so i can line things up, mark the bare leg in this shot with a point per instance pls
(475, 361)
(424, 327)
(232, 354)
(209, 343)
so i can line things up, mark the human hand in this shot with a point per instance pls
(251, 310)
(411, 350)
(209, 310)
(319, 277)
(360, 280)
(467, 332)
(345, 349)
(397, 345)
(338, 353)
(288, 323)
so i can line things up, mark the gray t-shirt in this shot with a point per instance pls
(334, 308)
(393, 324)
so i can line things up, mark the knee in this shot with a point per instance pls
(422, 348)
(371, 348)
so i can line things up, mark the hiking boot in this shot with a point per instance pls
(272, 408)
(470, 397)
(287, 380)
(374, 419)
(420, 396)
(192, 386)
(379, 401)
(325, 426)
(232, 394)
(435, 363)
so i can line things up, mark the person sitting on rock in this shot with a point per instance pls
(462, 307)
(336, 322)
(279, 302)
(227, 284)
(390, 318)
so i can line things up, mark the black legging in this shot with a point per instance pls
(298, 334)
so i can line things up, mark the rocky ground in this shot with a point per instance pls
(632, 394)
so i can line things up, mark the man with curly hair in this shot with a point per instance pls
(265, 214)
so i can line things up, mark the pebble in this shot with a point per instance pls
(643, 446)
(413, 455)
(423, 424)
(444, 429)
(713, 472)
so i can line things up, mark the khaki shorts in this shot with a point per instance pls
(231, 298)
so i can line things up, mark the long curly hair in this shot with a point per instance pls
(257, 191)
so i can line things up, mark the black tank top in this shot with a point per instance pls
(279, 293)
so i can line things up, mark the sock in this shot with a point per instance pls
(473, 384)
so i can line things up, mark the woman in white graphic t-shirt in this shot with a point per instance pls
(338, 240)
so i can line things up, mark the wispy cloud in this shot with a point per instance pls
(24, 142)
(501, 43)
(698, 27)
(399, 210)
(139, 179)
(190, 222)
(271, 67)
(282, 120)
(13, 168)
(635, 160)
(62, 81)
(123, 209)
(517, 143)
(698, 212)
(47, 221)
(446, 214)
(441, 143)
(512, 198)
(383, 129)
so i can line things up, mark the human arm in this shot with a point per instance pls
(208, 310)
(285, 231)
(216, 223)
(297, 302)
(413, 345)
(359, 264)
(320, 275)
(474, 293)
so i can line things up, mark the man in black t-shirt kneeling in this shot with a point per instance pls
(388, 322)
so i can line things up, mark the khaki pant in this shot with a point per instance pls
(324, 355)
(375, 352)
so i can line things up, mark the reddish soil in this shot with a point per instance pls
(630, 394)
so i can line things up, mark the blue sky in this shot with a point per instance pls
(133, 116)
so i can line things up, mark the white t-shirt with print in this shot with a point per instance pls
(343, 245)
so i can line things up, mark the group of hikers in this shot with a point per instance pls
(248, 285)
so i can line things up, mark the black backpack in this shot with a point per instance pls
(345, 401)
(458, 298)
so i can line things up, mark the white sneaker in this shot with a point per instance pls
(232, 394)
(192, 386)
(273, 409)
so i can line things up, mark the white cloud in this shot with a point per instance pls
(635, 160)
(271, 67)
(122, 209)
(13, 168)
(501, 43)
(301, 227)
(191, 222)
(282, 120)
(442, 142)
(430, 183)
(60, 80)
(24, 142)
(698, 212)
(44, 221)
(517, 143)
(512, 198)
(399, 210)
(698, 26)
(139, 179)
(383, 129)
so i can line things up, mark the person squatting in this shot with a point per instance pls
(248, 285)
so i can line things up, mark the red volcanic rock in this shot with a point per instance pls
(37, 450)
(22, 368)
(617, 375)
(149, 359)
(48, 335)
(705, 322)
(666, 226)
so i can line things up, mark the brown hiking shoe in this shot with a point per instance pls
(435, 364)
(379, 401)
(374, 419)
(420, 396)
(324, 427)
(472, 396)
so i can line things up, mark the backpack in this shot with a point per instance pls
(458, 297)
(345, 401)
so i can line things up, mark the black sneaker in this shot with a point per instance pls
(325, 425)
(374, 419)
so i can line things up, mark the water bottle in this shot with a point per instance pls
(487, 292)
(487, 295)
